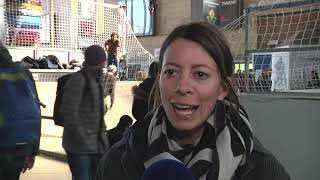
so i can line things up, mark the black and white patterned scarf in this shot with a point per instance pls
(224, 145)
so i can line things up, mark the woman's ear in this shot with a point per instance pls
(223, 93)
(224, 90)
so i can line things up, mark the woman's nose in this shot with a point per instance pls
(183, 86)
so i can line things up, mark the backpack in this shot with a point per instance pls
(19, 108)
(58, 119)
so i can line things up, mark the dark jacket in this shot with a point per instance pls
(83, 110)
(124, 161)
(115, 135)
(141, 98)
(5, 57)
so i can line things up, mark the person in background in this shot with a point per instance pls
(111, 46)
(117, 133)
(315, 80)
(84, 138)
(74, 64)
(21, 158)
(109, 85)
(197, 118)
(141, 93)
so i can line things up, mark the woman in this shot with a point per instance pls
(197, 119)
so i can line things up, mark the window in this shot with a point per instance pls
(140, 19)
(262, 62)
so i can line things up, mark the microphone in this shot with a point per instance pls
(167, 169)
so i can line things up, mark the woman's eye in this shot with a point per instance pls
(201, 75)
(169, 71)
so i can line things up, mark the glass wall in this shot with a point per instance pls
(139, 16)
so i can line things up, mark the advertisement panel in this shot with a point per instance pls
(211, 11)
(221, 12)
(280, 72)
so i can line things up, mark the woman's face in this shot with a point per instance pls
(114, 37)
(211, 12)
(190, 84)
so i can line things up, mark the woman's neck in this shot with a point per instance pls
(184, 137)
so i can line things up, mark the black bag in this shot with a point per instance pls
(58, 120)
(53, 62)
(50, 62)
(43, 63)
(30, 62)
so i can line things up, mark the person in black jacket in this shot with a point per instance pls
(141, 93)
(197, 119)
(117, 133)
(315, 81)
(82, 108)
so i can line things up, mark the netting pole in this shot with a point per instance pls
(2, 22)
(246, 49)
(52, 23)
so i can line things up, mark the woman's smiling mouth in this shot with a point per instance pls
(184, 111)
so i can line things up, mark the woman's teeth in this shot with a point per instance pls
(184, 107)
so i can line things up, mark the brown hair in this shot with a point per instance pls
(114, 34)
(209, 37)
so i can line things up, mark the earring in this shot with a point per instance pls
(219, 116)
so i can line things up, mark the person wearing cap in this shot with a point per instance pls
(84, 138)
(111, 46)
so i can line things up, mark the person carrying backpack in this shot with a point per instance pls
(82, 109)
(19, 118)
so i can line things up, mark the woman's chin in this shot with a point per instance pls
(183, 126)
(187, 128)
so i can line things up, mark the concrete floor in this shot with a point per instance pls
(47, 169)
